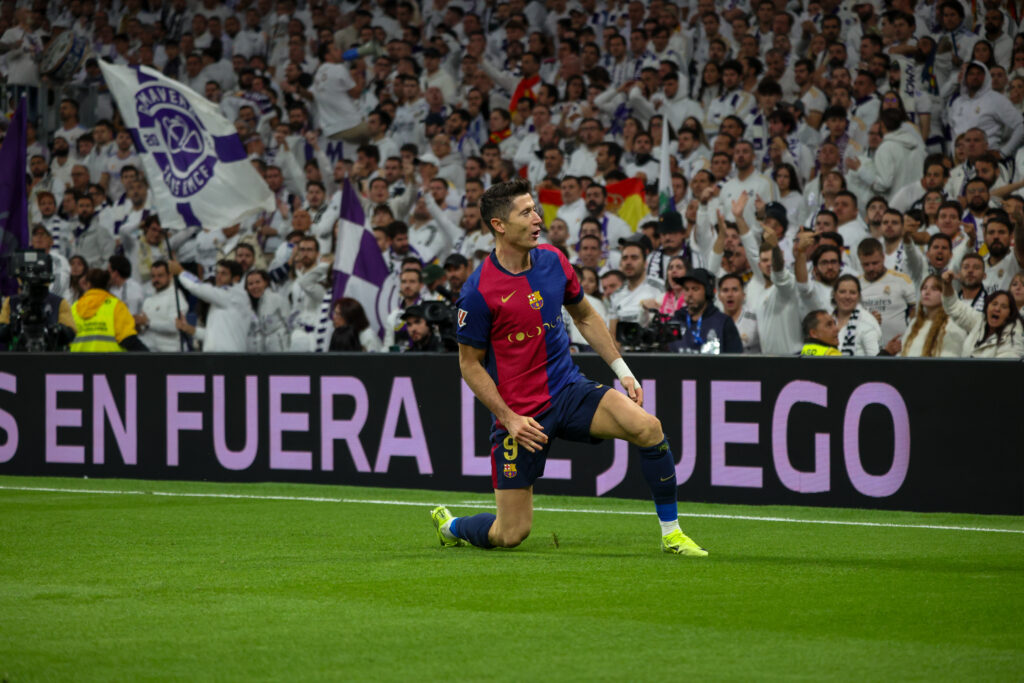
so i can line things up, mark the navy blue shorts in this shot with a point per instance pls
(569, 417)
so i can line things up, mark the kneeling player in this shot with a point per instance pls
(514, 355)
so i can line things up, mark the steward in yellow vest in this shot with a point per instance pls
(821, 335)
(102, 321)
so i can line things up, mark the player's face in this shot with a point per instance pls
(522, 227)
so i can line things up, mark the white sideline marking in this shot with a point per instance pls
(485, 506)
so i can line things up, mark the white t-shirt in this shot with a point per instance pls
(625, 303)
(20, 60)
(891, 295)
(337, 111)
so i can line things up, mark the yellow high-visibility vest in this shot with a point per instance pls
(812, 349)
(98, 332)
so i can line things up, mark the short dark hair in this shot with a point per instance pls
(120, 265)
(810, 322)
(940, 236)
(497, 201)
(868, 246)
(233, 266)
(98, 278)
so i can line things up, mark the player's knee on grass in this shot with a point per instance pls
(511, 536)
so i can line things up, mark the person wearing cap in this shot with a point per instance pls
(43, 241)
(821, 335)
(457, 270)
(674, 242)
(627, 303)
(420, 332)
(433, 277)
(704, 328)
(434, 76)
(772, 292)
(410, 291)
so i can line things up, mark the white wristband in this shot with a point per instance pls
(620, 369)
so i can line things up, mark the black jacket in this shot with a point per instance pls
(695, 332)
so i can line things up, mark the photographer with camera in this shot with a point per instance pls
(703, 328)
(35, 319)
(42, 240)
(421, 332)
(626, 305)
(103, 321)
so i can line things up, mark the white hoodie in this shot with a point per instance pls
(989, 111)
(899, 161)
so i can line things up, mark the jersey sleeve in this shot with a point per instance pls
(474, 318)
(573, 291)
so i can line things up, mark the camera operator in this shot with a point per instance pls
(42, 240)
(703, 327)
(626, 304)
(35, 319)
(103, 321)
(421, 333)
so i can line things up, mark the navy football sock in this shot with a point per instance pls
(474, 529)
(659, 468)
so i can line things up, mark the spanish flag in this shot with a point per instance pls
(550, 200)
(626, 198)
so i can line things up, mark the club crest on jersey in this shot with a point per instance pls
(536, 301)
(463, 314)
(510, 470)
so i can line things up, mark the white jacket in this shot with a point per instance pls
(227, 323)
(899, 161)
(990, 111)
(161, 334)
(1010, 345)
(268, 324)
(950, 346)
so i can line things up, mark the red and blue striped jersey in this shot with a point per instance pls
(517, 319)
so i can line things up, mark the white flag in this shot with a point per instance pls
(196, 165)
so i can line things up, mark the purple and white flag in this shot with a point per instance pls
(197, 168)
(359, 268)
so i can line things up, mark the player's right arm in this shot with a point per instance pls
(525, 430)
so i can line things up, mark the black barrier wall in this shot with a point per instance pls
(908, 435)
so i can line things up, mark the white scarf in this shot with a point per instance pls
(848, 335)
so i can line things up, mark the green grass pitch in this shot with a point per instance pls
(277, 585)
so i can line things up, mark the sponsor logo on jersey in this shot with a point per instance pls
(534, 331)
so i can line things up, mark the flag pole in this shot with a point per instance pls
(182, 339)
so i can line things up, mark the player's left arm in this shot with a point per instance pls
(591, 326)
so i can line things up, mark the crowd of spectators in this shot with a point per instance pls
(854, 163)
